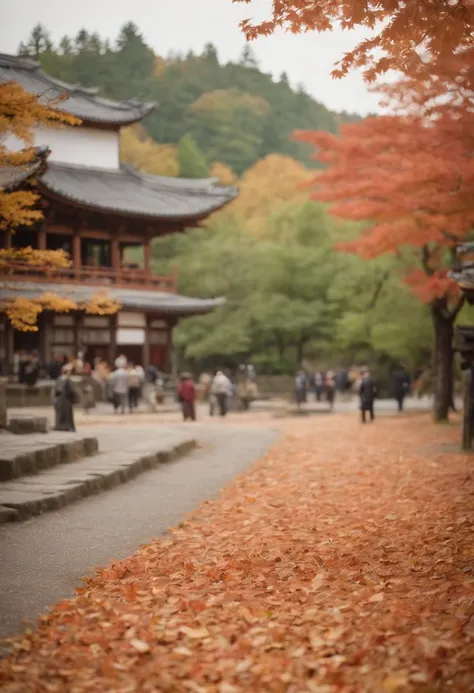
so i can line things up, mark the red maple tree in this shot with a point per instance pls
(411, 176)
(403, 34)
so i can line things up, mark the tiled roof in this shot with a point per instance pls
(126, 191)
(152, 301)
(82, 102)
(12, 176)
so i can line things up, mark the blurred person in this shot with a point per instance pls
(221, 389)
(367, 394)
(400, 385)
(133, 382)
(187, 397)
(64, 399)
(300, 387)
(119, 385)
(330, 388)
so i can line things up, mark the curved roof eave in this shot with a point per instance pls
(129, 194)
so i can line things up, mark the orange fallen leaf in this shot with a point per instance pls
(140, 645)
(194, 632)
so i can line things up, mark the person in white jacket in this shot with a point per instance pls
(221, 389)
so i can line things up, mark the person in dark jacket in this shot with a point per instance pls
(367, 394)
(400, 386)
(187, 397)
(300, 387)
(64, 398)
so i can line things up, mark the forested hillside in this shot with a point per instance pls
(235, 113)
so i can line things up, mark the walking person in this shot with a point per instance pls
(318, 386)
(400, 386)
(367, 394)
(187, 397)
(300, 388)
(64, 399)
(221, 389)
(134, 384)
(119, 383)
(330, 389)
(88, 394)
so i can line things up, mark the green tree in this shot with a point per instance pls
(38, 43)
(191, 161)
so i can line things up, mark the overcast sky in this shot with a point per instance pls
(182, 25)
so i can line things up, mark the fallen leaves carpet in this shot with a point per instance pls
(341, 562)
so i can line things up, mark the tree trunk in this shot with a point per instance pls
(443, 324)
(302, 341)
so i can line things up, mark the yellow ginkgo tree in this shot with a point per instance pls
(20, 113)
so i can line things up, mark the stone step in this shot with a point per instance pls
(26, 496)
(32, 454)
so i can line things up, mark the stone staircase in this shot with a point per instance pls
(41, 473)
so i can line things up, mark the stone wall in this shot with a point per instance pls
(22, 396)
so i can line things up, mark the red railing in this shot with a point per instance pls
(99, 276)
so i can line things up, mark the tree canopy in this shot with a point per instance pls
(291, 297)
(403, 35)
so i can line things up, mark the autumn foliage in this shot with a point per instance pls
(412, 179)
(20, 112)
(337, 564)
(274, 180)
(402, 35)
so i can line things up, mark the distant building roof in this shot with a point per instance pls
(82, 102)
(153, 301)
(128, 192)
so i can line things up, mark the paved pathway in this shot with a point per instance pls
(43, 559)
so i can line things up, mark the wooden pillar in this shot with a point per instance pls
(147, 256)
(42, 238)
(172, 356)
(146, 345)
(6, 239)
(115, 255)
(76, 253)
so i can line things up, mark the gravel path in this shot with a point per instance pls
(44, 558)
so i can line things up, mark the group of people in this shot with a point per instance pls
(124, 386)
(26, 367)
(358, 380)
(322, 384)
(217, 389)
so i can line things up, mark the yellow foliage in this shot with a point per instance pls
(101, 304)
(272, 181)
(47, 259)
(20, 112)
(159, 66)
(146, 155)
(223, 173)
(16, 209)
(23, 312)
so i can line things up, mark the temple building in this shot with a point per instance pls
(96, 208)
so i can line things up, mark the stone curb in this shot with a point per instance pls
(24, 498)
(45, 457)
